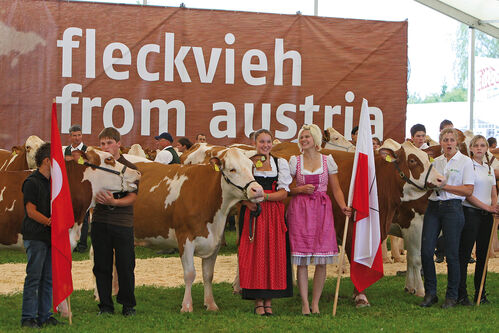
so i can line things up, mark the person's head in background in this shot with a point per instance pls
(376, 143)
(446, 123)
(200, 138)
(418, 135)
(75, 135)
(183, 144)
(42, 159)
(252, 138)
(354, 134)
(492, 142)
(110, 141)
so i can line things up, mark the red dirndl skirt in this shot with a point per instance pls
(262, 262)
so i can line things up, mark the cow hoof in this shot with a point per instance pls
(400, 260)
(387, 261)
(212, 307)
(186, 308)
(419, 293)
(410, 291)
(361, 301)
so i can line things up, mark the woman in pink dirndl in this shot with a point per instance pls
(310, 215)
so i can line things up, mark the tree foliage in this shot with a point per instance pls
(485, 46)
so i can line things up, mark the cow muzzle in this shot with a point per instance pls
(255, 192)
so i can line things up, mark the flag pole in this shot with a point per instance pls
(494, 227)
(340, 265)
(70, 312)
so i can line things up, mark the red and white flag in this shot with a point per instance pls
(367, 262)
(61, 220)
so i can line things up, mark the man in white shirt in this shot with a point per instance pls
(418, 136)
(76, 142)
(166, 155)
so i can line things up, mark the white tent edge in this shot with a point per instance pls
(461, 16)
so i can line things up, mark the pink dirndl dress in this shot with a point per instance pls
(310, 220)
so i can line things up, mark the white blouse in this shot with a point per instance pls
(332, 168)
(484, 180)
(458, 171)
(283, 179)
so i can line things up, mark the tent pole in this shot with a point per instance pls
(471, 76)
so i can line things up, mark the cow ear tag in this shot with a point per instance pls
(388, 158)
(81, 160)
(216, 168)
(14, 153)
(432, 160)
(263, 159)
(259, 164)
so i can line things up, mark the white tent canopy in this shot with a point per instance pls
(482, 15)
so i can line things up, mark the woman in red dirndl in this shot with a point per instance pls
(264, 260)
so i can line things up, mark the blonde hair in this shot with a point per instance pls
(316, 133)
(476, 138)
(447, 131)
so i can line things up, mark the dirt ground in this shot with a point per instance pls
(167, 272)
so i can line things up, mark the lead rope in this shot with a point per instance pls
(252, 222)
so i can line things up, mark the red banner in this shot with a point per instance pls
(61, 219)
(145, 70)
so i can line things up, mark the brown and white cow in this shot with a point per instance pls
(201, 153)
(186, 206)
(408, 219)
(32, 144)
(335, 141)
(14, 160)
(84, 183)
(137, 150)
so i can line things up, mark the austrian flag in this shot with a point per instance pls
(61, 219)
(367, 264)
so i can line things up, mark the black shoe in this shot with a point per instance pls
(449, 303)
(105, 312)
(128, 312)
(464, 301)
(32, 323)
(472, 260)
(80, 249)
(429, 300)
(483, 300)
(439, 259)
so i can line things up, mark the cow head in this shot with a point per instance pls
(32, 145)
(413, 166)
(237, 171)
(105, 173)
(195, 155)
(137, 150)
(430, 141)
(334, 140)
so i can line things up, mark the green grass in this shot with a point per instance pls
(158, 309)
(19, 256)
(391, 310)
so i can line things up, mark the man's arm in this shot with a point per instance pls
(107, 198)
(34, 214)
(164, 157)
